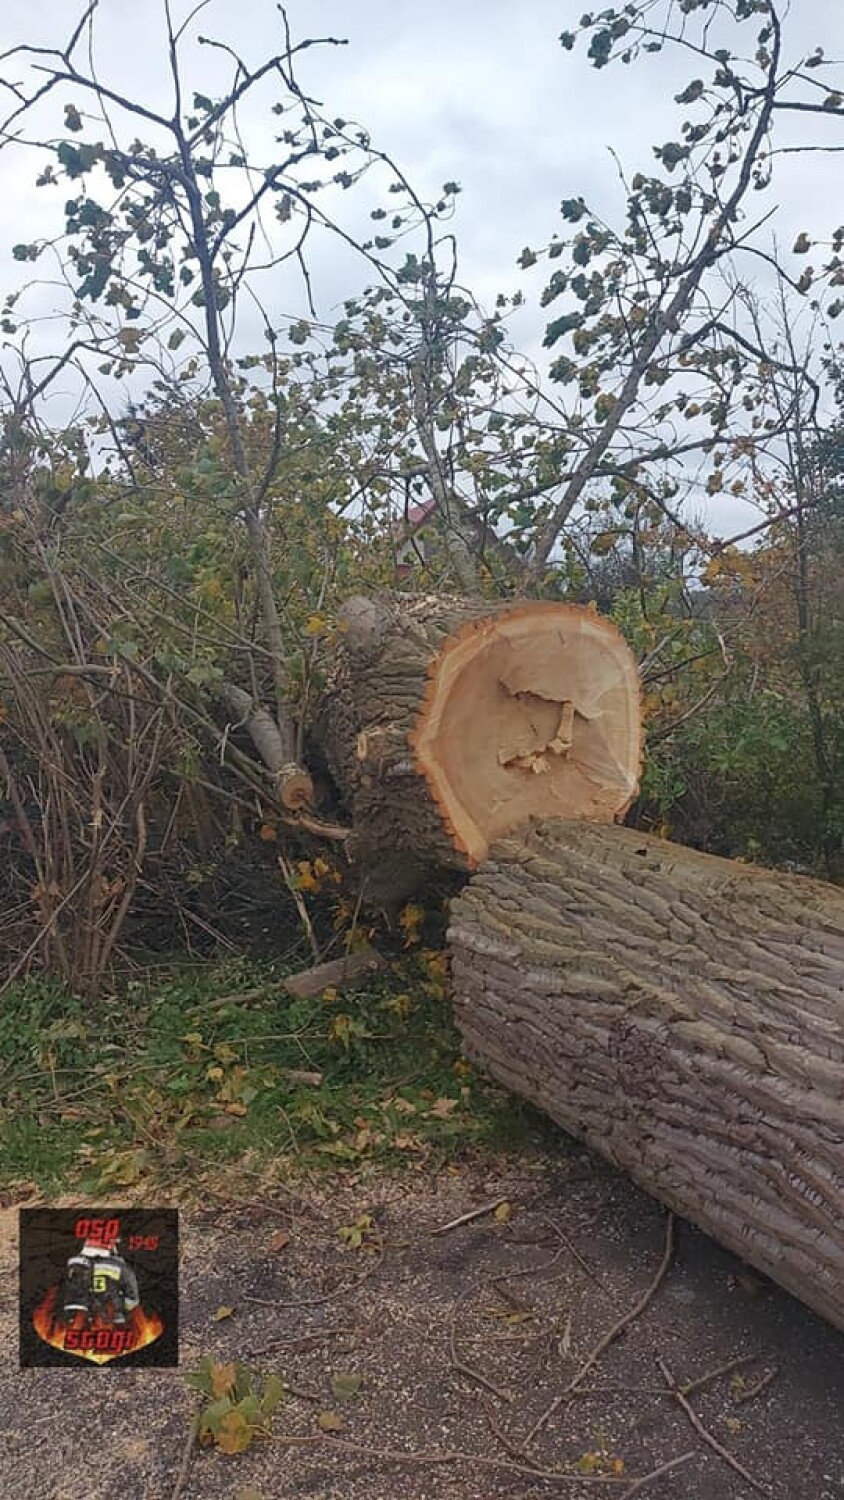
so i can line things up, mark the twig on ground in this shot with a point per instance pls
(757, 1387)
(612, 1334)
(507, 1444)
(689, 1386)
(303, 1395)
(640, 1484)
(474, 1213)
(303, 1343)
(576, 1255)
(187, 1455)
(449, 1456)
(706, 1435)
(469, 1370)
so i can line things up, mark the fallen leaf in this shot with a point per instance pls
(733, 1424)
(330, 1421)
(442, 1108)
(279, 1241)
(404, 1141)
(503, 1213)
(236, 1109)
(221, 1313)
(345, 1385)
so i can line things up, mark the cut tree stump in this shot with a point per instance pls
(684, 1016)
(447, 723)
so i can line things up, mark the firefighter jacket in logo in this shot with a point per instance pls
(100, 1284)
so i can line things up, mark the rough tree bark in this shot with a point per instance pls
(683, 1015)
(449, 722)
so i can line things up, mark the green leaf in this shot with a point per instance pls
(213, 1415)
(274, 1389)
(573, 209)
(690, 93)
(344, 1385)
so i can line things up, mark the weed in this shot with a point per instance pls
(236, 1409)
(219, 1064)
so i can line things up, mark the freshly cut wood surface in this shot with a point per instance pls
(683, 1015)
(449, 722)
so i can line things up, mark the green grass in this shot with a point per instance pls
(135, 1088)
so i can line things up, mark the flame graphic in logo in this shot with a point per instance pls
(94, 1340)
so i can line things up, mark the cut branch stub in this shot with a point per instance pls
(293, 785)
(450, 722)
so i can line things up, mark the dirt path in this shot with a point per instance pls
(463, 1341)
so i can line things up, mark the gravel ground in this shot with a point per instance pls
(463, 1342)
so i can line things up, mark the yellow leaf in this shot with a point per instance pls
(404, 1141)
(223, 1378)
(330, 1421)
(221, 1313)
(235, 1434)
(399, 1005)
(224, 1053)
(306, 879)
(330, 994)
(214, 1073)
(316, 625)
(442, 1108)
(403, 1106)
(504, 1213)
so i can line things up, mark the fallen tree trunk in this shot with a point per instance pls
(448, 722)
(684, 1016)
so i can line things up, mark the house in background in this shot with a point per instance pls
(416, 537)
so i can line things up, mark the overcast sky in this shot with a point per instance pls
(474, 90)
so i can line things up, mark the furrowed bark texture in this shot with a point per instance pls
(448, 722)
(684, 1016)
